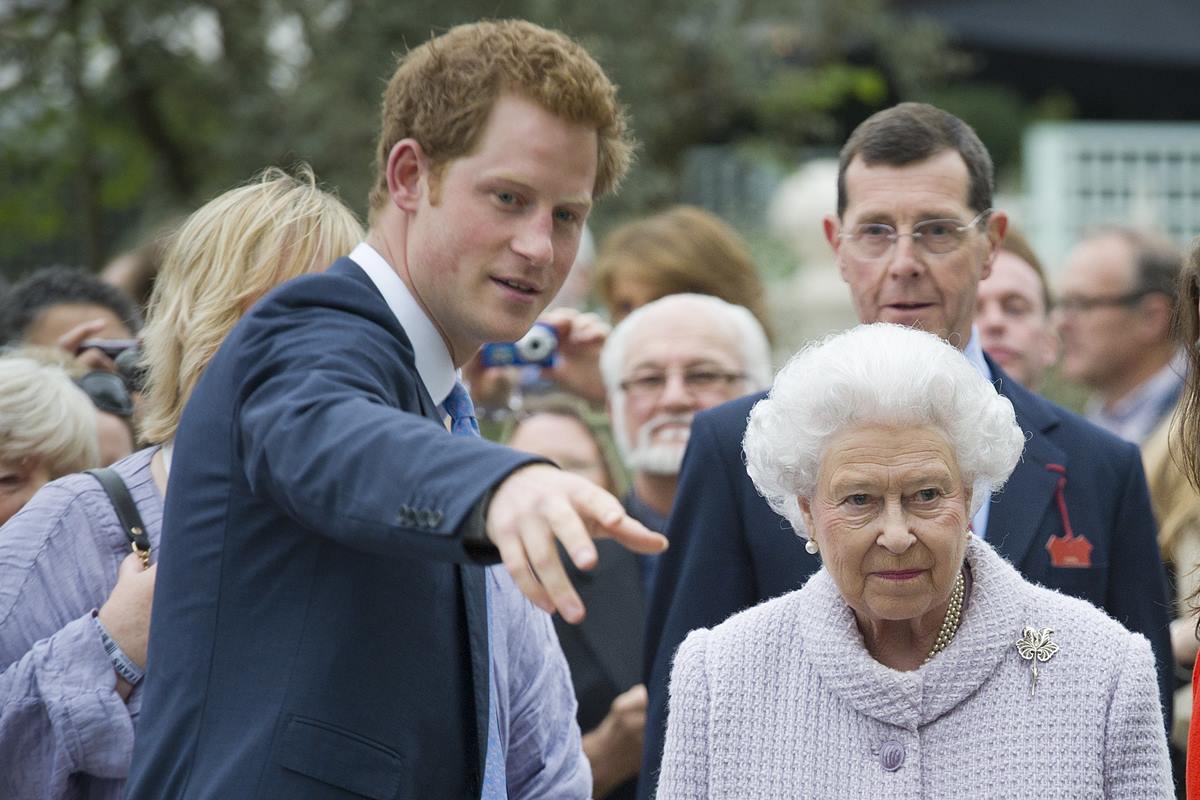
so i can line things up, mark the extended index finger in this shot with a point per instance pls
(608, 518)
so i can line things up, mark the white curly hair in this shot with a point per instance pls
(878, 374)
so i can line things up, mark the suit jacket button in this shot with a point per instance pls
(891, 755)
(436, 519)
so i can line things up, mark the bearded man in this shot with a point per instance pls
(666, 361)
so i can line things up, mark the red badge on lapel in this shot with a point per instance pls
(1067, 551)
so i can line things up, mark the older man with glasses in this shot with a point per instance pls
(664, 362)
(914, 234)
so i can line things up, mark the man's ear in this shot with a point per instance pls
(407, 174)
(1157, 311)
(833, 226)
(997, 226)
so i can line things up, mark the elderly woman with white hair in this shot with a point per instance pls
(47, 429)
(916, 662)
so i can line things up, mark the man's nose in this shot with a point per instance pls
(905, 258)
(989, 317)
(534, 241)
(676, 394)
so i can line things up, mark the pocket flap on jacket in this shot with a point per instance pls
(341, 758)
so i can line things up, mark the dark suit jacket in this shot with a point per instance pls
(318, 631)
(729, 551)
(604, 652)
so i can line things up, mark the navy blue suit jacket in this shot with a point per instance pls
(729, 551)
(319, 630)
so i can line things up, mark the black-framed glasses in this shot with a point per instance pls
(936, 236)
(1082, 303)
(107, 391)
(646, 385)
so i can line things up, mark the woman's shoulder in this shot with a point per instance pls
(771, 622)
(63, 503)
(1078, 625)
(1012, 600)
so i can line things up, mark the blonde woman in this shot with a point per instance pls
(47, 430)
(69, 689)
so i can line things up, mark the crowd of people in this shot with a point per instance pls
(890, 568)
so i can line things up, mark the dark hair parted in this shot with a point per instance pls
(21, 306)
(443, 91)
(910, 132)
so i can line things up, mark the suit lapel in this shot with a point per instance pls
(474, 583)
(1014, 521)
(472, 577)
(474, 586)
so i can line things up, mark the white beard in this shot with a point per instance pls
(662, 458)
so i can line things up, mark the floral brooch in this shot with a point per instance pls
(1035, 645)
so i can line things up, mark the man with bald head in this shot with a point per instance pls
(1118, 290)
(914, 234)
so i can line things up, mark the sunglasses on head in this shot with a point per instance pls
(108, 392)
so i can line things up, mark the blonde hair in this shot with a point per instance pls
(45, 418)
(227, 255)
(443, 92)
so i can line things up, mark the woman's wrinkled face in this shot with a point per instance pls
(890, 515)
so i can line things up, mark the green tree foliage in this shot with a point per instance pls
(115, 114)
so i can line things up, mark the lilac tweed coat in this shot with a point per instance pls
(783, 700)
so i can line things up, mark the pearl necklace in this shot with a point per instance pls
(950, 623)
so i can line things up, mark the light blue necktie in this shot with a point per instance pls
(495, 786)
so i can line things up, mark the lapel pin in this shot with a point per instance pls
(1070, 550)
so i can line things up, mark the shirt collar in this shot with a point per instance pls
(974, 353)
(434, 365)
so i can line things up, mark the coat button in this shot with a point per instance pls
(891, 755)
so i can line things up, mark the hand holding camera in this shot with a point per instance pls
(538, 348)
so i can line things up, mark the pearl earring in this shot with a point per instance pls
(810, 547)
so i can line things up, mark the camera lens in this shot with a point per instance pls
(537, 345)
(129, 367)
